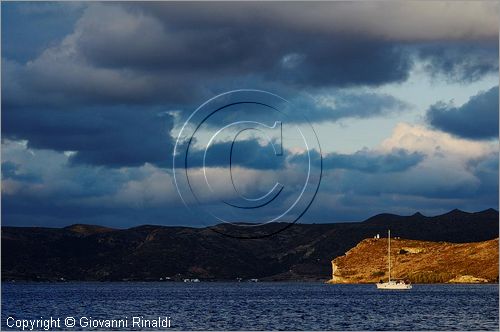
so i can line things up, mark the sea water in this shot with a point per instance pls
(251, 306)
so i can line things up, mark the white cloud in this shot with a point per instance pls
(435, 143)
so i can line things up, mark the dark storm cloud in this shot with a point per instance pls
(10, 170)
(171, 38)
(171, 54)
(311, 45)
(342, 105)
(476, 119)
(465, 61)
(246, 153)
(299, 108)
(304, 58)
(250, 154)
(395, 161)
(342, 61)
(398, 160)
(486, 170)
(42, 23)
(118, 136)
(174, 52)
(56, 81)
(392, 21)
(125, 56)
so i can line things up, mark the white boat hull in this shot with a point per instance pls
(393, 285)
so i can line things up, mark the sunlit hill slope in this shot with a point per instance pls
(418, 261)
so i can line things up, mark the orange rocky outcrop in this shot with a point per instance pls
(418, 261)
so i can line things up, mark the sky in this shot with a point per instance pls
(402, 96)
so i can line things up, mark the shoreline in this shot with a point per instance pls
(228, 281)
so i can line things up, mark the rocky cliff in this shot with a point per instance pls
(418, 261)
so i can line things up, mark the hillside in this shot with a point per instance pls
(301, 252)
(418, 261)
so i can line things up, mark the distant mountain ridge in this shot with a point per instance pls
(301, 252)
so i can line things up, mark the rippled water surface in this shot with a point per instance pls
(257, 306)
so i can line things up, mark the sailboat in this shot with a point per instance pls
(392, 284)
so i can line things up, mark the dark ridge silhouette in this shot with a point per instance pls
(149, 252)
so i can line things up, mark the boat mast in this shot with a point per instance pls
(389, 251)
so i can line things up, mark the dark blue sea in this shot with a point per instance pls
(256, 306)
